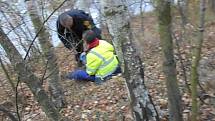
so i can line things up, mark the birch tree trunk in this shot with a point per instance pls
(44, 37)
(26, 75)
(100, 18)
(83, 5)
(18, 34)
(116, 14)
(116, 22)
(169, 65)
(195, 62)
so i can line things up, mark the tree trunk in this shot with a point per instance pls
(83, 5)
(115, 22)
(183, 7)
(8, 113)
(18, 34)
(195, 62)
(26, 75)
(48, 50)
(212, 5)
(169, 66)
(8, 76)
(116, 15)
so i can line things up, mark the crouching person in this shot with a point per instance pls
(100, 60)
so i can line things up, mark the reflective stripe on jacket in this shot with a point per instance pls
(101, 60)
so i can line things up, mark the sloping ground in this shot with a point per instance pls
(89, 102)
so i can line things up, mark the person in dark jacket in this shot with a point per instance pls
(70, 27)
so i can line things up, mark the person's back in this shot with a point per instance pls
(81, 21)
(101, 60)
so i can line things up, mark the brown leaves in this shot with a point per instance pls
(89, 102)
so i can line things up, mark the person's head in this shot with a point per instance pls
(89, 36)
(66, 20)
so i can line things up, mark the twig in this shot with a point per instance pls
(46, 66)
(44, 78)
(16, 101)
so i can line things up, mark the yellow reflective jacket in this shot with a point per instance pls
(101, 60)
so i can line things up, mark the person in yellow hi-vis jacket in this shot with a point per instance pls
(100, 60)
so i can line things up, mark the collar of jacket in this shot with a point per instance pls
(93, 44)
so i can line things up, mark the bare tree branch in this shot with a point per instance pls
(29, 51)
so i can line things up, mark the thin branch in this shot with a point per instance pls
(142, 16)
(16, 101)
(46, 66)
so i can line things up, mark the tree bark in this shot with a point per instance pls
(8, 113)
(212, 5)
(26, 75)
(115, 21)
(169, 66)
(116, 14)
(195, 62)
(183, 7)
(55, 88)
(7, 75)
(18, 34)
(83, 5)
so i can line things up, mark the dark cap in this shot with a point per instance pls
(89, 36)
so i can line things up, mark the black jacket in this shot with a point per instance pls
(82, 21)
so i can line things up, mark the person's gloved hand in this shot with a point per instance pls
(78, 75)
(83, 57)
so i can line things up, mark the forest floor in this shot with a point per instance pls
(109, 101)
